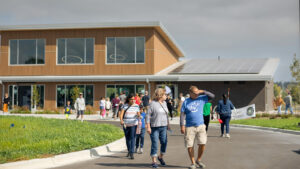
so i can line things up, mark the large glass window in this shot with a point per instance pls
(75, 51)
(112, 90)
(30, 51)
(66, 93)
(31, 96)
(125, 50)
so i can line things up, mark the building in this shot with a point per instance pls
(103, 59)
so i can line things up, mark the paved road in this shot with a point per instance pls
(246, 149)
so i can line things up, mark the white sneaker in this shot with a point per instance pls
(141, 151)
(227, 135)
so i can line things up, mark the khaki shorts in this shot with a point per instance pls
(195, 132)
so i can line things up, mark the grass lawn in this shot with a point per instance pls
(23, 138)
(289, 123)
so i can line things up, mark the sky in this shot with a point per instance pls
(202, 28)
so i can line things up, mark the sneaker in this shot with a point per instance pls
(128, 154)
(141, 150)
(161, 160)
(154, 165)
(131, 156)
(193, 166)
(200, 164)
(227, 135)
(222, 135)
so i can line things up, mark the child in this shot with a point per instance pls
(140, 137)
(68, 109)
(102, 107)
(107, 106)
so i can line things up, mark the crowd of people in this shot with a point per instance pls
(287, 101)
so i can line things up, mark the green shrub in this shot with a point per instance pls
(265, 115)
(89, 110)
(258, 116)
(273, 116)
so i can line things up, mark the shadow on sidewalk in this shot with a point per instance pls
(136, 165)
(297, 151)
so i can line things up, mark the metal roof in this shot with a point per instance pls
(221, 66)
(156, 24)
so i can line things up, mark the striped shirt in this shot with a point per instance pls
(131, 115)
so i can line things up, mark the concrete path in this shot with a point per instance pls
(246, 149)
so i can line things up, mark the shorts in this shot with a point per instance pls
(192, 133)
(101, 107)
(80, 112)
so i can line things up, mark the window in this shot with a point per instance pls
(75, 51)
(27, 51)
(112, 90)
(66, 93)
(125, 50)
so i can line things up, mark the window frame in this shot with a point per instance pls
(37, 64)
(134, 50)
(65, 85)
(72, 64)
(127, 84)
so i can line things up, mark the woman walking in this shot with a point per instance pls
(170, 103)
(157, 123)
(130, 112)
(102, 107)
(224, 109)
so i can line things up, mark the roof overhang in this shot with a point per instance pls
(154, 24)
(137, 78)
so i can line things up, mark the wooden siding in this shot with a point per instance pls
(98, 68)
(164, 56)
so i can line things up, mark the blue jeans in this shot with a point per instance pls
(140, 138)
(226, 120)
(130, 133)
(288, 106)
(158, 133)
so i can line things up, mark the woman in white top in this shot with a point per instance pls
(80, 106)
(102, 107)
(107, 106)
(130, 112)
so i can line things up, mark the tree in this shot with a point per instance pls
(295, 69)
(75, 93)
(277, 90)
(295, 92)
(35, 96)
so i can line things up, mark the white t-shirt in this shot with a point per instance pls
(102, 103)
(107, 105)
(130, 117)
(79, 104)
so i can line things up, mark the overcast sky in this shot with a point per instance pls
(203, 28)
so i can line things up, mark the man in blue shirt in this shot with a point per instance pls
(192, 113)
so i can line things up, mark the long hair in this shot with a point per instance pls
(224, 98)
(129, 97)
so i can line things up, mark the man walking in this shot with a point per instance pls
(288, 103)
(192, 113)
(146, 100)
(80, 106)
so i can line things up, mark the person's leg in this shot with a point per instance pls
(171, 113)
(286, 108)
(137, 142)
(206, 121)
(222, 124)
(291, 109)
(132, 134)
(279, 109)
(142, 137)
(189, 138)
(163, 138)
(154, 142)
(227, 121)
(126, 133)
(201, 148)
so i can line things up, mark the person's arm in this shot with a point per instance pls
(121, 117)
(182, 127)
(148, 115)
(231, 106)
(204, 92)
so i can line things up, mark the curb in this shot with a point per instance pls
(264, 128)
(69, 158)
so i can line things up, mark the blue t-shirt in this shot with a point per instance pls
(143, 117)
(193, 110)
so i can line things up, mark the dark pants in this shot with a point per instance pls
(140, 139)
(206, 121)
(226, 120)
(130, 133)
(171, 111)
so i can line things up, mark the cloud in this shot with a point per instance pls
(231, 28)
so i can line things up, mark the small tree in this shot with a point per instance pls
(295, 92)
(75, 93)
(277, 90)
(35, 96)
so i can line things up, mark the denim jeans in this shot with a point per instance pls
(279, 109)
(130, 133)
(140, 138)
(158, 133)
(288, 106)
(226, 120)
